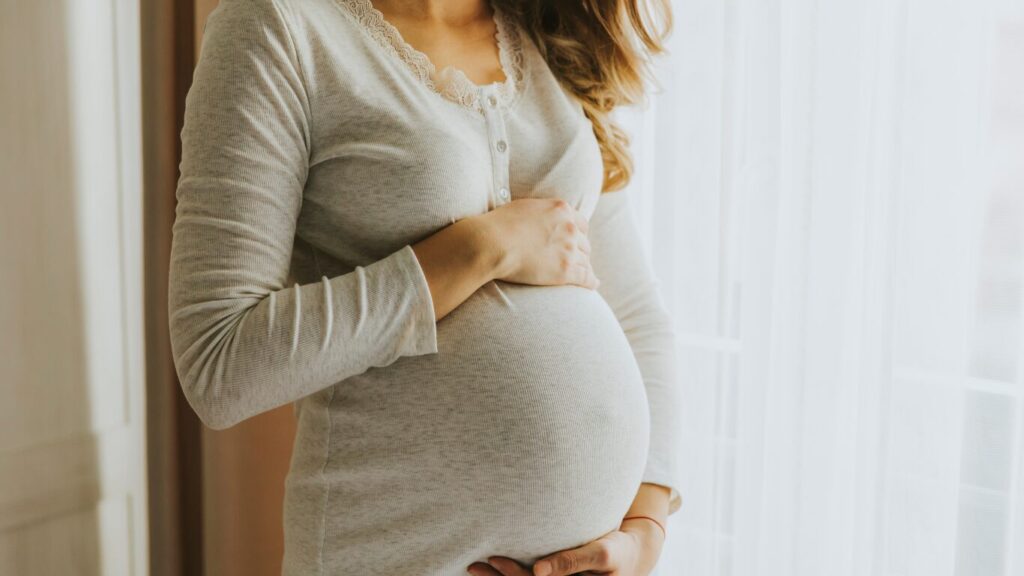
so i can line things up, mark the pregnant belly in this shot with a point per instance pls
(526, 434)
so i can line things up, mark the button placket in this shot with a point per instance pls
(498, 144)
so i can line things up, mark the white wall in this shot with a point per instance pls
(72, 464)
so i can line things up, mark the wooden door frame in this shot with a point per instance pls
(174, 432)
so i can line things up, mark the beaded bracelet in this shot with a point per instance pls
(663, 532)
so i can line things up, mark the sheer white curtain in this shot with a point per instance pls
(833, 193)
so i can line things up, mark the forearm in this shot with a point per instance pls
(457, 261)
(243, 343)
(651, 500)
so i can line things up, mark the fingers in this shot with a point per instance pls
(578, 219)
(482, 569)
(578, 242)
(577, 265)
(584, 244)
(571, 229)
(582, 222)
(578, 271)
(595, 555)
(562, 204)
(585, 276)
(589, 279)
(508, 566)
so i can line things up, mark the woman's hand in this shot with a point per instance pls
(632, 550)
(541, 241)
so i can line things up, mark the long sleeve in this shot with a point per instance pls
(632, 291)
(243, 342)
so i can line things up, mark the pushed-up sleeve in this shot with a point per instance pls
(242, 341)
(631, 289)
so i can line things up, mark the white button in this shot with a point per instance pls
(502, 146)
(503, 193)
(492, 101)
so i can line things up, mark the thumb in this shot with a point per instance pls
(590, 556)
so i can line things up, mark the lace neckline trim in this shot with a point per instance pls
(450, 83)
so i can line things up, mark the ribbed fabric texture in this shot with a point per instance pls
(524, 421)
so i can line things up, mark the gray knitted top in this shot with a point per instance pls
(317, 147)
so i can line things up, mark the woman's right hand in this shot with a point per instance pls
(541, 241)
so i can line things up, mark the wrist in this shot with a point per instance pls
(649, 524)
(489, 250)
(648, 538)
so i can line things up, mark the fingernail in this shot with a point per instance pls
(542, 569)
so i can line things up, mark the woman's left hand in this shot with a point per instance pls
(632, 550)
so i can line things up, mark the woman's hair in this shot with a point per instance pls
(591, 47)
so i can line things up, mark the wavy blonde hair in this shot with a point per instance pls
(600, 50)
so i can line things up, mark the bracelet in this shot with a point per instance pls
(663, 531)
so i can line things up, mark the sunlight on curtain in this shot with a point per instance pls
(833, 194)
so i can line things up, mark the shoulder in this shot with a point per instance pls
(295, 23)
(268, 9)
(290, 12)
(248, 24)
(247, 12)
(263, 18)
(263, 28)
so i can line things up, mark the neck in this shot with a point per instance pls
(447, 12)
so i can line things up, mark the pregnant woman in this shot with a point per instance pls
(407, 218)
